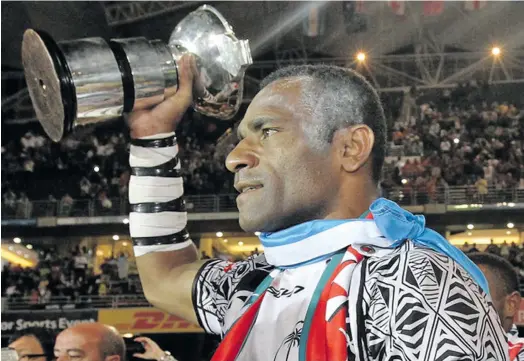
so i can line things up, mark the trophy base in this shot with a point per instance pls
(50, 84)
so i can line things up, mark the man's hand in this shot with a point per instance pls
(165, 117)
(153, 351)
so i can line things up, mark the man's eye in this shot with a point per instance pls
(268, 132)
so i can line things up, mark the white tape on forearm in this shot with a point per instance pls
(152, 157)
(142, 250)
(156, 224)
(154, 189)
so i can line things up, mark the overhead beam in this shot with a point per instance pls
(122, 13)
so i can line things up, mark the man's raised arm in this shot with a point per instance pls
(166, 258)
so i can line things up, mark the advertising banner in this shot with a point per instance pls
(145, 320)
(13, 321)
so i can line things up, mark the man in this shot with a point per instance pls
(33, 344)
(337, 280)
(89, 342)
(504, 289)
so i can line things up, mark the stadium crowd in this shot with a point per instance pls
(67, 277)
(479, 142)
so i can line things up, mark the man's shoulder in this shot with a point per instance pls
(428, 274)
(431, 300)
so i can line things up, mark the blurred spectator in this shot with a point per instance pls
(33, 344)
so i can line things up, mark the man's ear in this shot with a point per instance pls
(113, 358)
(512, 304)
(355, 144)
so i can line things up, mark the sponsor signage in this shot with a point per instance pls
(13, 321)
(145, 320)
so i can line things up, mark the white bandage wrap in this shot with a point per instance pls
(155, 189)
(142, 250)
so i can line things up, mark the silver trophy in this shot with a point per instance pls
(87, 81)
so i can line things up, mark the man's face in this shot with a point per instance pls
(282, 180)
(27, 347)
(71, 345)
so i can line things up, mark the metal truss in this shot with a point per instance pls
(119, 13)
(423, 69)
(386, 73)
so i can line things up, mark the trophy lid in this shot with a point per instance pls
(49, 83)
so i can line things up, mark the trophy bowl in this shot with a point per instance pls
(88, 81)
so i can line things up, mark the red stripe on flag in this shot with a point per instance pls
(359, 8)
(433, 8)
(398, 7)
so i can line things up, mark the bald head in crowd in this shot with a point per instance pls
(90, 342)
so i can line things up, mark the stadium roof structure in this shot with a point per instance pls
(416, 48)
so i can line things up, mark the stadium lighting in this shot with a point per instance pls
(240, 243)
(17, 240)
(495, 51)
(116, 237)
(29, 246)
(510, 225)
(126, 221)
(220, 234)
(96, 168)
(361, 56)
(470, 226)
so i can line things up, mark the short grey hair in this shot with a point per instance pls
(338, 98)
(112, 344)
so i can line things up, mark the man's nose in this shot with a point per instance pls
(241, 156)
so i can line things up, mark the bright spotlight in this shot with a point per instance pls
(240, 243)
(126, 221)
(219, 234)
(510, 225)
(29, 246)
(361, 56)
(404, 181)
(456, 141)
(495, 51)
(116, 237)
(96, 168)
(470, 226)
(17, 240)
